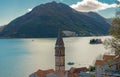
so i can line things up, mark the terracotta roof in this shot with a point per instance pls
(78, 70)
(99, 62)
(108, 57)
(41, 73)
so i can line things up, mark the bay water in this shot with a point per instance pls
(22, 57)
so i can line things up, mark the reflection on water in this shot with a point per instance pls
(21, 57)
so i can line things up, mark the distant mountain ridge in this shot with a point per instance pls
(109, 20)
(46, 19)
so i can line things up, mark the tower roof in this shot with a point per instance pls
(60, 39)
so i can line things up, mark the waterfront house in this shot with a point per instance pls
(75, 72)
(99, 68)
(109, 66)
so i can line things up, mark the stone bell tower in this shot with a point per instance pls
(59, 53)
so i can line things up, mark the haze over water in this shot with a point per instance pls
(21, 57)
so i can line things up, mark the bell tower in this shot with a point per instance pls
(59, 53)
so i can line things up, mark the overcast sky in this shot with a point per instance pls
(11, 9)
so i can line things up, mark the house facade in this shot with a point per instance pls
(108, 67)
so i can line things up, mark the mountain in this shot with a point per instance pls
(1, 28)
(46, 19)
(97, 17)
(109, 20)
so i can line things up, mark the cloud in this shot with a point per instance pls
(29, 9)
(91, 5)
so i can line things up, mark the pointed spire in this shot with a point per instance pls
(59, 41)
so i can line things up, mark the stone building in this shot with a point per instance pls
(59, 54)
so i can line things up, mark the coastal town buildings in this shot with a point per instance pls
(99, 69)
(109, 66)
(77, 72)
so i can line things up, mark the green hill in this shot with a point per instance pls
(46, 19)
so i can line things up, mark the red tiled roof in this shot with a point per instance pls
(78, 70)
(99, 62)
(108, 57)
(41, 73)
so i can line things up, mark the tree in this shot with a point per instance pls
(114, 43)
(92, 68)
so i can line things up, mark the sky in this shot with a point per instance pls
(11, 9)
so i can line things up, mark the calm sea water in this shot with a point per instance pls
(21, 57)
